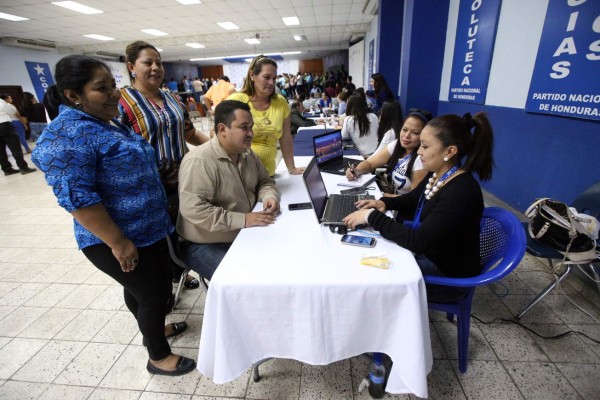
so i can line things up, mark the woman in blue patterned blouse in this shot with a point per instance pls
(106, 177)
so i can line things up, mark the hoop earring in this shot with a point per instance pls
(78, 106)
(133, 75)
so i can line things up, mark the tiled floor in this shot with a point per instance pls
(66, 334)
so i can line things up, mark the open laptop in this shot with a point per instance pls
(330, 210)
(329, 153)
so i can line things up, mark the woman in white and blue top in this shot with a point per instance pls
(404, 170)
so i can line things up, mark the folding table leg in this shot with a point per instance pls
(255, 373)
(544, 292)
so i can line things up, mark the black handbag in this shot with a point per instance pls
(555, 225)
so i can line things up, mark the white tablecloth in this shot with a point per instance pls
(292, 290)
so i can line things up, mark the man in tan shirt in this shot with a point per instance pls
(219, 92)
(219, 185)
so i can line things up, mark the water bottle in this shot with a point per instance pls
(377, 377)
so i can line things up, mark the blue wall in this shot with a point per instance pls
(538, 155)
(389, 42)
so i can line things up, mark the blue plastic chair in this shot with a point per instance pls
(502, 246)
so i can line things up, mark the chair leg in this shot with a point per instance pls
(255, 373)
(182, 279)
(463, 326)
(547, 290)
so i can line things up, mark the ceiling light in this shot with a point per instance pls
(11, 17)
(228, 25)
(195, 45)
(98, 37)
(299, 37)
(154, 32)
(71, 5)
(188, 2)
(291, 21)
(252, 41)
(159, 49)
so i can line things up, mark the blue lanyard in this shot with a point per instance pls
(417, 219)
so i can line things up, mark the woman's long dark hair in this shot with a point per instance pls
(357, 108)
(27, 103)
(473, 137)
(71, 72)
(391, 118)
(399, 151)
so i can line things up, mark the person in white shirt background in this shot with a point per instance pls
(360, 125)
(8, 137)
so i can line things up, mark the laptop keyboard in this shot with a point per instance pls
(344, 205)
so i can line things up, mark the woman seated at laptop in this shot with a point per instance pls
(360, 126)
(447, 207)
(404, 169)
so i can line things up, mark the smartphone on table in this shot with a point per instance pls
(299, 206)
(355, 240)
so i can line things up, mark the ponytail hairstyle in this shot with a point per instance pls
(473, 137)
(254, 69)
(424, 117)
(390, 118)
(71, 72)
(357, 108)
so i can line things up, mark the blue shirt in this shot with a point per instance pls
(88, 161)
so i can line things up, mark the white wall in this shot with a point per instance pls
(372, 34)
(517, 39)
(356, 61)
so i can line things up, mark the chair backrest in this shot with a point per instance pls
(502, 246)
(588, 202)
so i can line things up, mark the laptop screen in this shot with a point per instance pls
(328, 146)
(316, 188)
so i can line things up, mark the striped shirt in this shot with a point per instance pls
(163, 127)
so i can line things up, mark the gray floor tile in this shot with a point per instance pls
(191, 337)
(592, 331)
(184, 385)
(78, 274)
(442, 382)
(280, 380)
(86, 325)
(13, 390)
(49, 362)
(20, 319)
(111, 299)
(164, 396)
(63, 392)
(487, 380)
(51, 295)
(82, 296)
(6, 310)
(539, 314)
(21, 294)
(114, 394)
(121, 328)
(437, 349)
(512, 343)
(129, 371)
(91, 365)
(16, 353)
(569, 312)
(564, 349)
(4, 341)
(541, 381)
(235, 388)
(45, 273)
(479, 348)
(584, 377)
(100, 278)
(48, 325)
(488, 307)
(326, 381)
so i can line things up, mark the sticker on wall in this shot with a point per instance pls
(41, 77)
(566, 77)
(473, 49)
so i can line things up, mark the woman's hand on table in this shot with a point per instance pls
(357, 218)
(271, 205)
(259, 218)
(367, 204)
(296, 171)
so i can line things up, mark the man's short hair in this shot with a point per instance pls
(225, 112)
(295, 105)
(224, 78)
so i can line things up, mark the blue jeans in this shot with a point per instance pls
(204, 258)
(20, 129)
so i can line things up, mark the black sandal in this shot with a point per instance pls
(193, 284)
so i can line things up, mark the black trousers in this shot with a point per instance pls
(8, 137)
(147, 289)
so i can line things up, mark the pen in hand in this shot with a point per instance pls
(353, 170)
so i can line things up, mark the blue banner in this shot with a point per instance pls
(41, 77)
(566, 77)
(473, 49)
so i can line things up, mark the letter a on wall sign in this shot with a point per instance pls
(473, 49)
(566, 76)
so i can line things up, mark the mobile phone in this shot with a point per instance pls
(357, 190)
(299, 206)
(362, 241)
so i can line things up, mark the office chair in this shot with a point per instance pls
(174, 253)
(588, 202)
(502, 246)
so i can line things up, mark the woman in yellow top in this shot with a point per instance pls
(271, 114)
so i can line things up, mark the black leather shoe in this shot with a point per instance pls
(192, 284)
(11, 171)
(184, 365)
(178, 329)
(27, 170)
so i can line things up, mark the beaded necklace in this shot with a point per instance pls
(431, 189)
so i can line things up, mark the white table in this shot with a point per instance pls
(292, 290)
